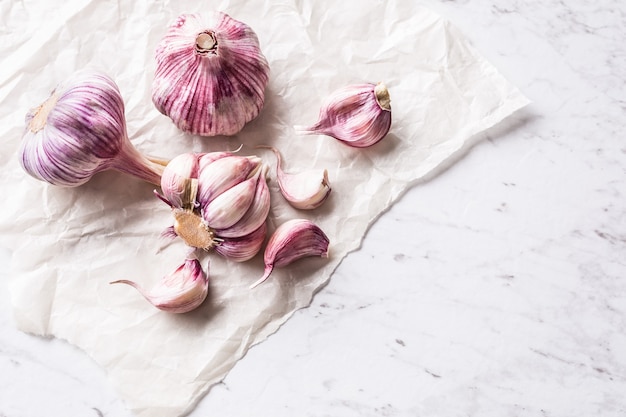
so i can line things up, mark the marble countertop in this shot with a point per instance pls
(495, 288)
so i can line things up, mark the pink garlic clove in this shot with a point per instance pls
(182, 291)
(293, 240)
(230, 206)
(256, 214)
(358, 115)
(306, 190)
(222, 174)
(179, 181)
(243, 248)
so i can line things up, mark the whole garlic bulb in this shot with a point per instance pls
(211, 74)
(219, 201)
(80, 130)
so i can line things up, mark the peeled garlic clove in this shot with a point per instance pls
(210, 74)
(305, 190)
(222, 174)
(292, 240)
(256, 214)
(243, 248)
(179, 292)
(358, 115)
(81, 130)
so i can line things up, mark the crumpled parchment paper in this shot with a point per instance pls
(68, 244)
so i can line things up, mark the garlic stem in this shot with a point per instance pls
(206, 42)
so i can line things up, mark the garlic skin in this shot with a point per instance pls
(358, 115)
(293, 240)
(81, 130)
(210, 74)
(306, 190)
(182, 291)
(230, 206)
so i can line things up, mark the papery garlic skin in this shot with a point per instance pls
(231, 206)
(293, 240)
(81, 130)
(182, 291)
(358, 115)
(306, 190)
(211, 74)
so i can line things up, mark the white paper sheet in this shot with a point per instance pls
(69, 243)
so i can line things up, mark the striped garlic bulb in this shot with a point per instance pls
(210, 75)
(81, 130)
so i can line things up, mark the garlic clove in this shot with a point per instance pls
(182, 291)
(205, 159)
(179, 181)
(358, 115)
(305, 190)
(243, 248)
(81, 130)
(230, 206)
(256, 214)
(222, 174)
(293, 240)
(210, 74)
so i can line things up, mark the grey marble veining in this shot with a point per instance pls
(497, 288)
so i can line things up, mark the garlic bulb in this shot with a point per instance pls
(183, 290)
(305, 190)
(292, 240)
(358, 115)
(219, 201)
(80, 130)
(210, 75)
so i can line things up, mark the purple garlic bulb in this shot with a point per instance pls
(219, 201)
(80, 130)
(210, 74)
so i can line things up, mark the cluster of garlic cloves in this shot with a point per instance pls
(358, 115)
(181, 291)
(293, 240)
(81, 130)
(219, 201)
(211, 74)
(305, 190)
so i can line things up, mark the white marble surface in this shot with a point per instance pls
(497, 288)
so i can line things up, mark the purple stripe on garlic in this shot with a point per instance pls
(358, 115)
(81, 130)
(211, 74)
(293, 240)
